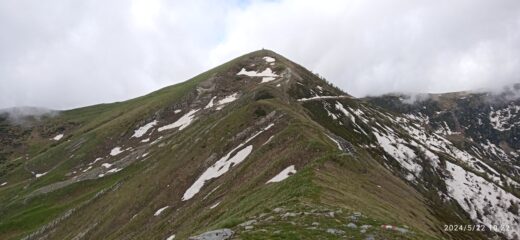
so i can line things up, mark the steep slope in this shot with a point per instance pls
(485, 127)
(259, 146)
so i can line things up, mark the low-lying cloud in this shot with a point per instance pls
(26, 115)
(69, 54)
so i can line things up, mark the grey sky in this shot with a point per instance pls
(64, 54)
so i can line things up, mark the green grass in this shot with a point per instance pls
(304, 226)
(27, 216)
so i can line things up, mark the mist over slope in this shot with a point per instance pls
(26, 114)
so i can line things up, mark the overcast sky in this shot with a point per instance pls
(65, 54)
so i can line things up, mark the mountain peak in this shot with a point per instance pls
(267, 71)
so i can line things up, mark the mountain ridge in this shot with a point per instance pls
(199, 156)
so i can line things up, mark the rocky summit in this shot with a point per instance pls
(262, 148)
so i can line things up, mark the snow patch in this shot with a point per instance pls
(396, 148)
(419, 117)
(210, 104)
(222, 165)
(479, 197)
(360, 114)
(95, 161)
(158, 212)
(218, 169)
(106, 165)
(228, 99)
(501, 119)
(142, 130)
(182, 122)
(268, 140)
(323, 97)
(341, 108)
(3, 184)
(214, 205)
(495, 150)
(332, 115)
(283, 174)
(38, 175)
(58, 137)
(114, 170)
(267, 75)
(267, 79)
(115, 151)
(269, 59)
(171, 237)
(439, 144)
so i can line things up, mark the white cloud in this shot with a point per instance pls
(62, 54)
(68, 54)
(373, 47)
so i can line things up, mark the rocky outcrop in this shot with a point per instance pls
(219, 234)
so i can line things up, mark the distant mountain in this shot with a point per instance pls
(261, 148)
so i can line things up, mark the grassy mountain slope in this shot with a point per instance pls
(199, 155)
